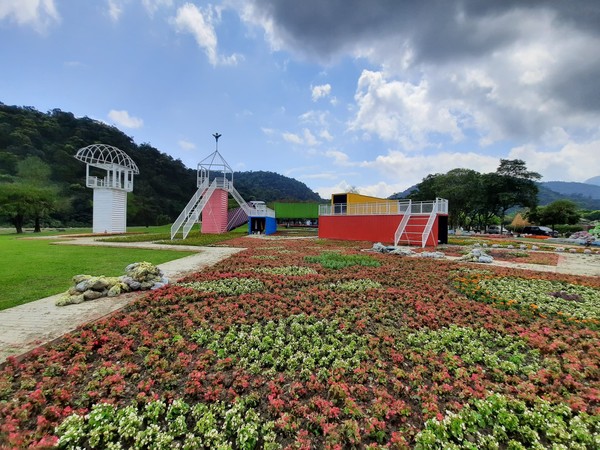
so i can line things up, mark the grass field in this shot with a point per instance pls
(31, 269)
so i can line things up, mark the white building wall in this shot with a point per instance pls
(110, 211)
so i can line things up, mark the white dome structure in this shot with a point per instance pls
(110, 191)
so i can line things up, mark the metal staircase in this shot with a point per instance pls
(190, 214)
(402, 225)
(429, 224)
(411, 228)
(239, 199)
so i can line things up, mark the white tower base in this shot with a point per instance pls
(110, 211)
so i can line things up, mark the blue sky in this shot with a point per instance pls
(373, 94)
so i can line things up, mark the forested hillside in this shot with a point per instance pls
(45, 143)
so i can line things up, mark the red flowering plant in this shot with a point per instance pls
(309, 344)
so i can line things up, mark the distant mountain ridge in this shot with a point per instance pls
(593, 180)
(573, 188)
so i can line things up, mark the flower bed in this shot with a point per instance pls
(321, 347)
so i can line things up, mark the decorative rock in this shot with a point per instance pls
(437, 255)
(524, 247)
(402, 251)
(534, 247)
(510, 246)
(145, 285)
(495, 245)
(379, 247)
(133, 285)
(139, 276)
(99, 283)
(79, 278)
(559, 249)
(70, 300)
(92, 295)
(572, 250)
(114, 291)
(477, 255)
(587, 251)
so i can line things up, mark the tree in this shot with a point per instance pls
(459, 187)
(511, 185)
(19, 201)
(43, 195)
(558, 213)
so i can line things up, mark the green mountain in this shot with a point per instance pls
(586, 190)
(593, 180)
(161, 190)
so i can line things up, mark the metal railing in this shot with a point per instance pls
(391, 207)
(194, 215)
(95, 182)
(188, 208)
(402, 225)
(249, 210)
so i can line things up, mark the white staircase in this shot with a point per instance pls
(402, 225)
(191, 213)
(413, 228)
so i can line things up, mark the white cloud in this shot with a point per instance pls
(326, 135)
(339, 158)
(115, 9)
(292, 138)
(401, 111)
(153, 5)
(186, 145)
(39, 14)
(314, 117)
(199, 23)
(412, 169)
(323, 90)
(310, 138)
(122, 118)
(307, 138)
(572, 162)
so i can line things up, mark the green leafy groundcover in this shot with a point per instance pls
(161, 426)
(297, 344)
(335, 260)
(570, 301)
(390, 355)
(498, 422)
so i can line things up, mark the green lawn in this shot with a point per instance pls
(31, 269)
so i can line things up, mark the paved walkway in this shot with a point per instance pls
(568, 263)
(28, 326)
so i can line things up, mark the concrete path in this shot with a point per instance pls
(568, 263)
(28, 326)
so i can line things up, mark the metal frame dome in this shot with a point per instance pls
(106, 157)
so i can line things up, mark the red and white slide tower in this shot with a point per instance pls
(214, 182)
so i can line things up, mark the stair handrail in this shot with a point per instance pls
(195, 213)
(429, 225)
(402, 225)
(188, 208)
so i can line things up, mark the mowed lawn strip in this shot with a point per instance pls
(31, 269)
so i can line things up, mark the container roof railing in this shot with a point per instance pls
(383, 208)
